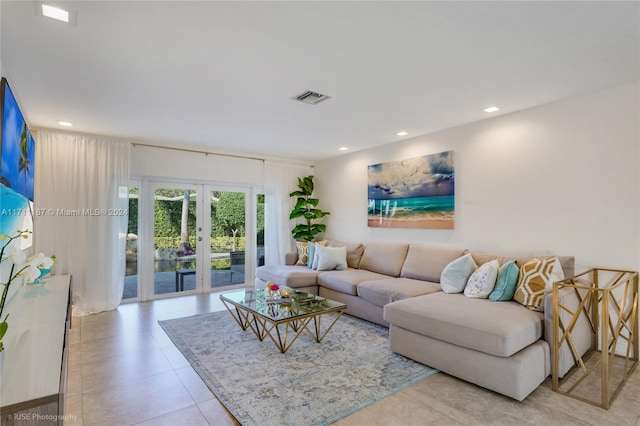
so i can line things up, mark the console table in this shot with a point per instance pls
(34, 371)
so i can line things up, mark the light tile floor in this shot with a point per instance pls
(124, 370)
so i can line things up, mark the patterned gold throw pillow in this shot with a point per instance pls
(302, 247)
(536, 281)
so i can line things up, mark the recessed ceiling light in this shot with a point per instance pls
(343, 148)
(65, 123)
(55, 13)
(491, 109)
(402, 133)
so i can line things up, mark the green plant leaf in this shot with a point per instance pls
(301, 204)
(316, 228)
(3, 329)
(301, 228)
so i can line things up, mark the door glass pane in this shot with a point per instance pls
(227, 238)
(131, 267)
(260, 229)
(174, 240)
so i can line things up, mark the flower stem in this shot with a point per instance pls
(6, 290)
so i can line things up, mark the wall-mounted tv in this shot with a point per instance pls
(17, 170)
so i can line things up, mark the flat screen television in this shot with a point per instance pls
(17, 170)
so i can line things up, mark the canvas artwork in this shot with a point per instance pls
(16, 170)
(413, 193)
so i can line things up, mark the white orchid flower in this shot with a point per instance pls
(30, 272)
(16, 255)
(41, 261)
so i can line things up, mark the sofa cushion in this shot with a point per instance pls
(384, 258)
(536, 281)
(290, 276)
(482, 281)
(347, 281)
(354, 252)
(506, 282)
(456, 274)
(567, 262)
(331, 258)
(427, 263)
(499, 329)
(381, 292)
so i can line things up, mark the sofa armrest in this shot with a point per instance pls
(581, 333)
(290, 258)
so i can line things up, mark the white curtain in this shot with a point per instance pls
(280, 180)
(81, 214)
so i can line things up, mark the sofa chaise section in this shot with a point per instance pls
(294, 276)
(501, 346)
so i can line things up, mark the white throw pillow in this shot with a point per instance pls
(456, 274)
(331, 258)
(482, 280)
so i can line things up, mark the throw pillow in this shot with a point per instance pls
(311, 253)
(354, 252)
(455, 275)
(482, 280)
(536, 281)
(506, 282)
(302, 247)
(331, 258)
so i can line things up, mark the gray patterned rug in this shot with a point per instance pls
(311, 384)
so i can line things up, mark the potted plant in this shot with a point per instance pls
(306, 207)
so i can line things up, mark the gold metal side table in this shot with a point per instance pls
(608, 300)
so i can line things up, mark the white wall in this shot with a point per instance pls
(557, 179)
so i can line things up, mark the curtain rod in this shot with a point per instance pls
(195, 151)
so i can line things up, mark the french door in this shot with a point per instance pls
(202, 238)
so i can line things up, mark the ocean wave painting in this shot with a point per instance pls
(413, 193)
(16, 169)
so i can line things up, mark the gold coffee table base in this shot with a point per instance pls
(282, 331)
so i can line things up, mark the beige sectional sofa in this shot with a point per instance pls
(502, 346)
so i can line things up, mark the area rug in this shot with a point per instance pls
(311, 384)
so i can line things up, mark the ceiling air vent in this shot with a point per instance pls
(310, 97)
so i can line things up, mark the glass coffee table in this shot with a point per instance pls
(282, 319)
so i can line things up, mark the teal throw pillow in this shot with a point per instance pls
(311, 251)
(506, 282)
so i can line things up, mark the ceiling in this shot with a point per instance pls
(219, 76)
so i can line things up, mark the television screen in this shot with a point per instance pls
(16, 172)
